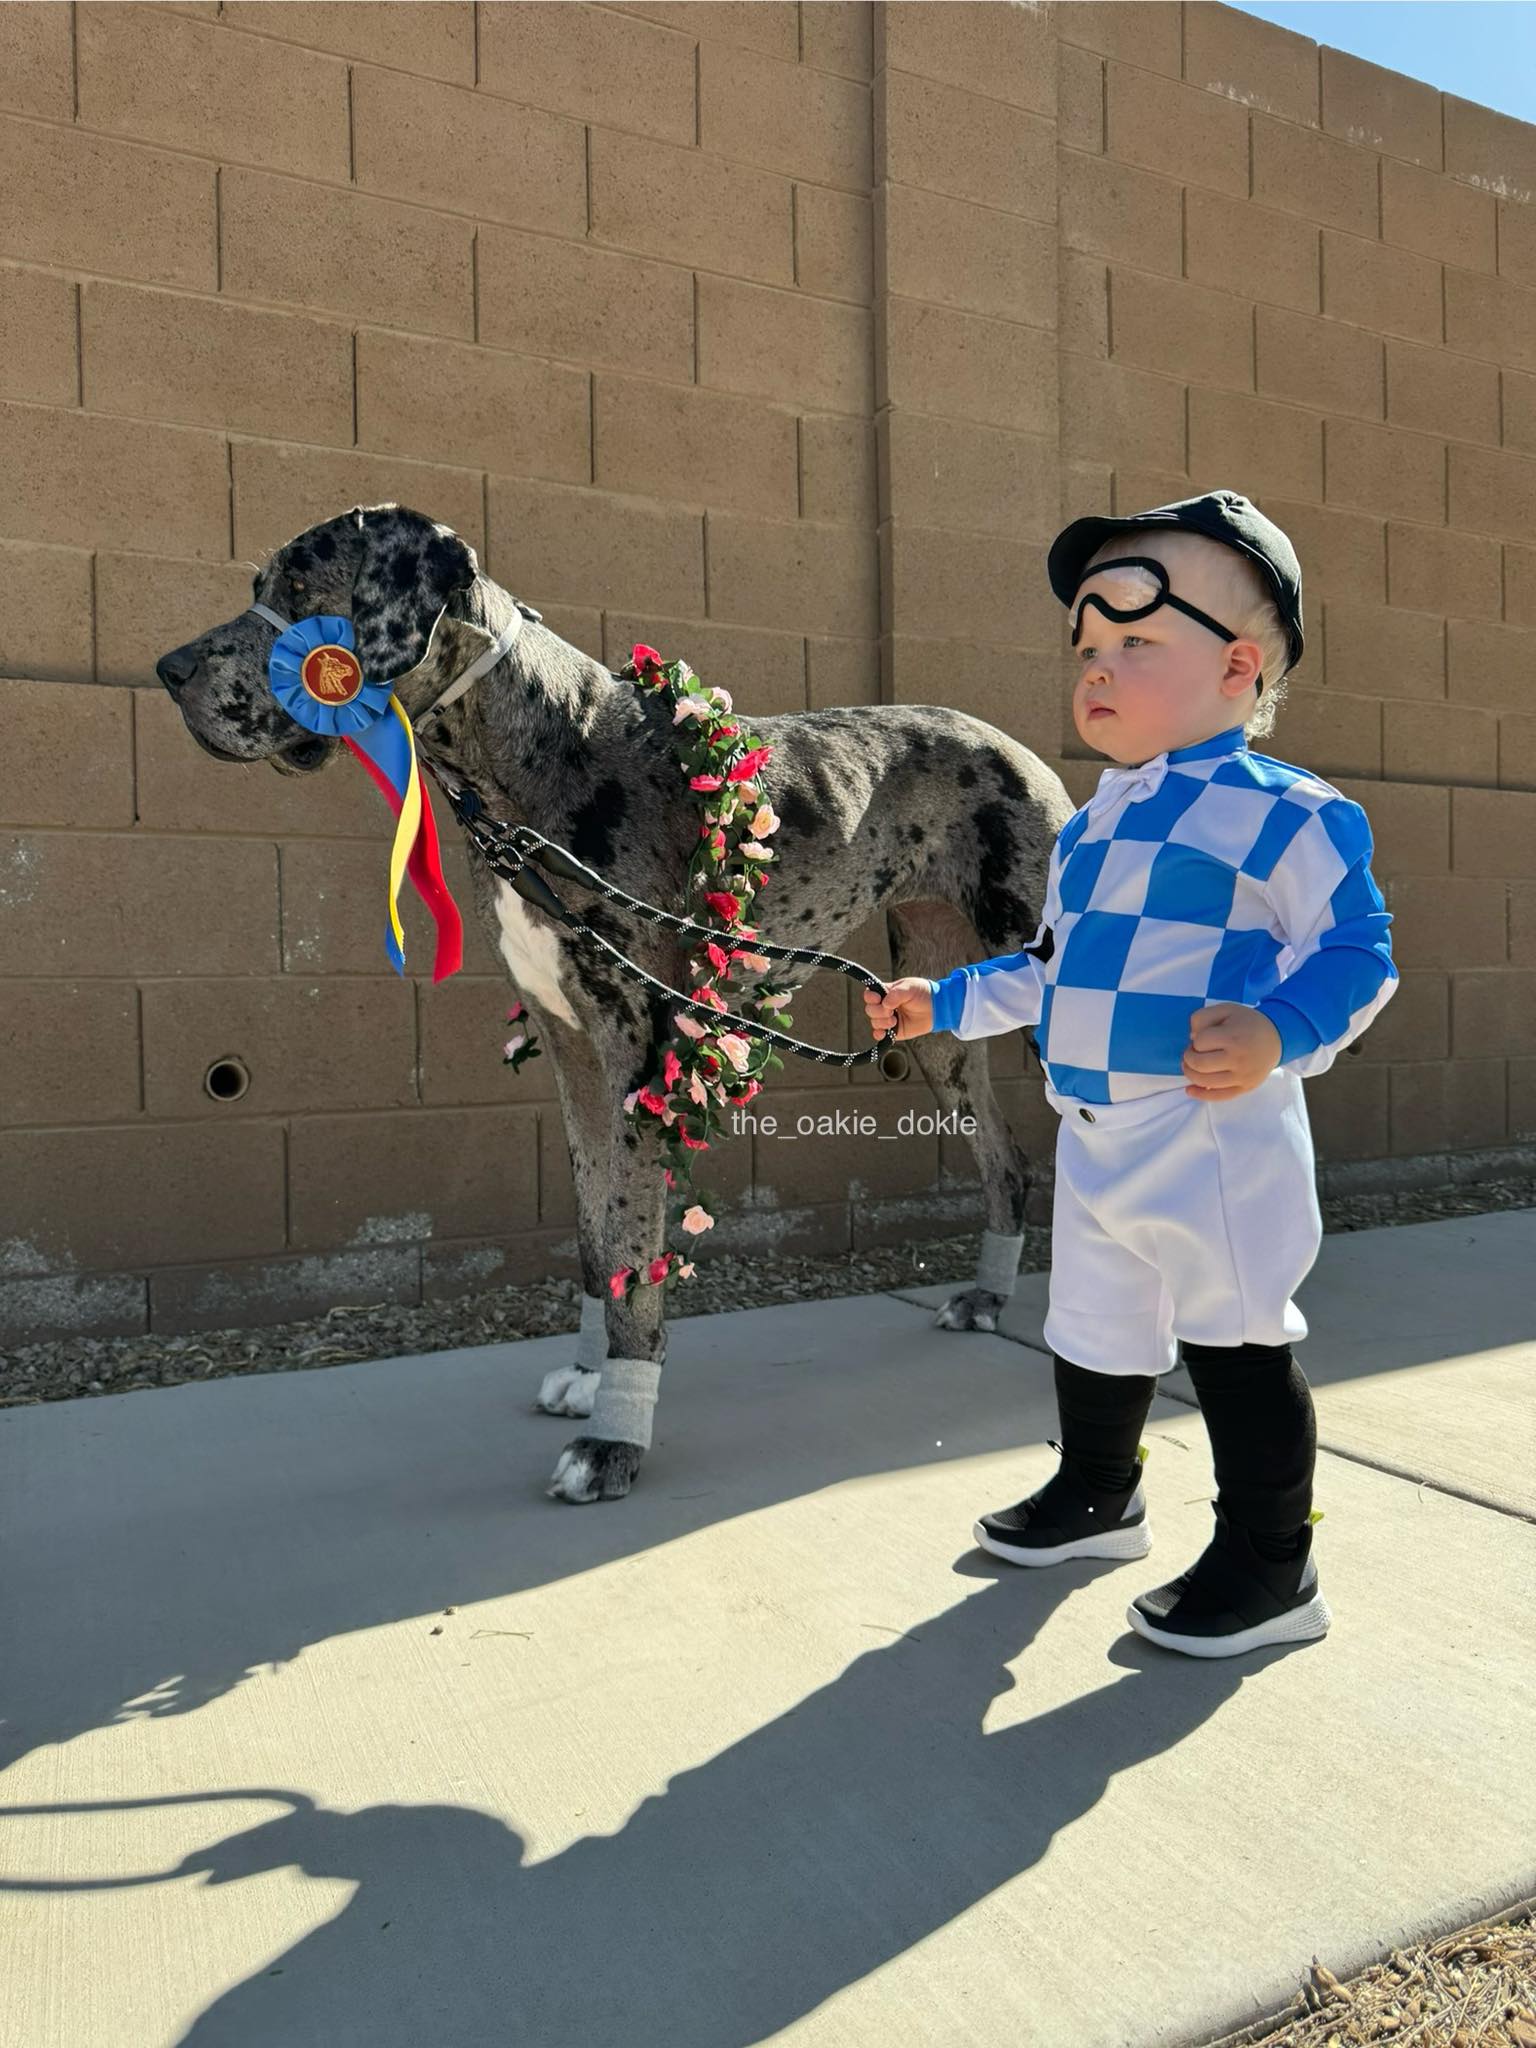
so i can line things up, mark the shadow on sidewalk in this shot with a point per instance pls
(752, 1890)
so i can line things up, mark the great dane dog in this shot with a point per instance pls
(932, 817)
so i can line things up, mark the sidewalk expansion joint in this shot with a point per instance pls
(1475, 1500)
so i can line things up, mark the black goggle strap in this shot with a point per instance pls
(1122, 613)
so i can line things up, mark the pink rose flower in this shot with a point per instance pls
(697, 1219)
(704, 782)
(616, 1282)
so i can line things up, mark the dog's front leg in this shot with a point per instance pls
(601, 1464)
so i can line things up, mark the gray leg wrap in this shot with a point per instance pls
(626, 1401)
(997, 1268)
(592, 1340)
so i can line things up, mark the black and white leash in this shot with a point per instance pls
(507, 849)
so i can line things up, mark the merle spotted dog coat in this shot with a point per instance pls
(940, 822)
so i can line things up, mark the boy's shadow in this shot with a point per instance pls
(753, 1889)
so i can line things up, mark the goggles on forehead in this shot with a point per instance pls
(1158, 573)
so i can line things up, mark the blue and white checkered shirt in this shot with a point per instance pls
(1209, 874)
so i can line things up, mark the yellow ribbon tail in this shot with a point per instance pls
(407, 826)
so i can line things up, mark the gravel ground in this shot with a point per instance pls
(1475, 1989)
(72, 1367)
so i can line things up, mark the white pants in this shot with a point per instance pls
(1177, 1218)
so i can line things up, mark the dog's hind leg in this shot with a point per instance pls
(927, 938)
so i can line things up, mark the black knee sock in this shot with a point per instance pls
(1263, 1430)
(1102, 1416)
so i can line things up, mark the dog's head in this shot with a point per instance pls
(386, 568)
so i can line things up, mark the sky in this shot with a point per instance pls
(1483, 50)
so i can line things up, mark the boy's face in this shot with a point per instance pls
(1145, 686)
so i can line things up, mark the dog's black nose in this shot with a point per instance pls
(177, 668)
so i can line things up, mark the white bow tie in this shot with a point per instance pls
(1133, 784)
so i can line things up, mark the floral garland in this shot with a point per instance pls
(701, 1072)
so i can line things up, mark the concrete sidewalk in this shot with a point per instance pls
(768, 1751)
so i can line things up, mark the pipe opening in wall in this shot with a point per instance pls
(895, 1063)
(227, 1080)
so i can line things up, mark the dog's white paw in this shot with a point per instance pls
(976, 1309)
(594, 1468)
(569, 1390)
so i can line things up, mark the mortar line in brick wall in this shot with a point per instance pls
(79, 294)
(698, 96)
(337, 316)
(592, 428)
(794, 234)
(1103, 106)
(1009, 213)
(74, 61)
(694, 278)
(138, 1011)
(229, 494)
(218, 230)
(474, 17)
(800, 35)
(485, 516)
(133, 721)
(351, 132)
(474, 284)
(586, 171)
(355, 442)
(435, 211)
(799, 467)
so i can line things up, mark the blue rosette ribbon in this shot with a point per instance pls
(318, 680)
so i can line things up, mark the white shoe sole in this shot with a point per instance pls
(1114, 1543)
(1301, 1625)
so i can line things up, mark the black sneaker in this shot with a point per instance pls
(1233, 1599)
(1068, 1518)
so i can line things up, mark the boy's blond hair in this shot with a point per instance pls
(1223, 582)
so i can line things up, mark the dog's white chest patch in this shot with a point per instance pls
(532, 955)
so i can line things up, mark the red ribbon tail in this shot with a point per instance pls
(424, 866)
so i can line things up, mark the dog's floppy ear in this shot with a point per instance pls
(408, 568)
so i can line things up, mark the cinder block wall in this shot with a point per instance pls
(781, 336)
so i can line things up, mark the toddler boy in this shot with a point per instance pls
(1211, 933)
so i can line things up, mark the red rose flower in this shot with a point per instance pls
(744, 769)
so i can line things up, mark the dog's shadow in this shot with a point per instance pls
(751, 1891)
(166, 1547)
